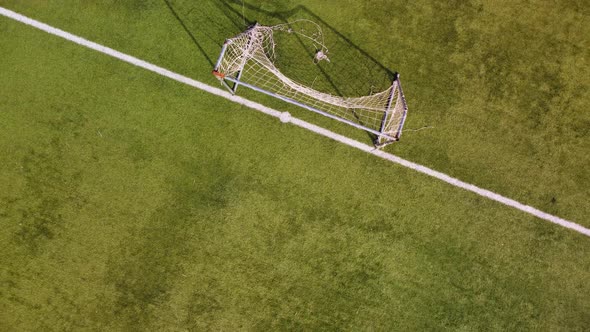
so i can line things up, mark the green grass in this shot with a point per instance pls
(132, 202)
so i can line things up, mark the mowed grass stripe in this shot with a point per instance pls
(259, 107)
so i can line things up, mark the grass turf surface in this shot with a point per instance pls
(127, 208)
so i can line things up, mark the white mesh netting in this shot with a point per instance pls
(249, 57)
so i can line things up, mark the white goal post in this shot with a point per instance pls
(248, 60)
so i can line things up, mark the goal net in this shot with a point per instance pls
(248, 60)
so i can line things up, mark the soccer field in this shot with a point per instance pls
(130, 201)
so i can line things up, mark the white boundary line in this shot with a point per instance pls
(300, 123)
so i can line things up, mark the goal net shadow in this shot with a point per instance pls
(285, 61)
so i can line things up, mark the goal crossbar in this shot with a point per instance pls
(313, 109)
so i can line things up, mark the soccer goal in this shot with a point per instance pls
(248, 60)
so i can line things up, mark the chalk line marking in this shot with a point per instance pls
(300, 123)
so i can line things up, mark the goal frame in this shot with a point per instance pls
(381, 137)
